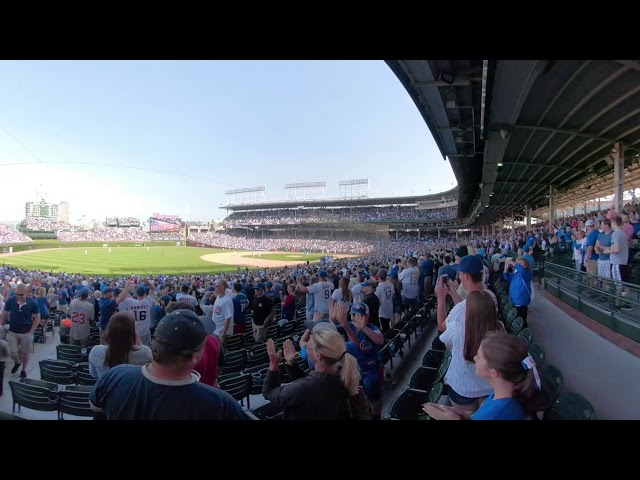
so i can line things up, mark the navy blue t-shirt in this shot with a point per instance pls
(107, 309)
(128, 392)
(21, 319)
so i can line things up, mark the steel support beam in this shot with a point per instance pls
(618, 176)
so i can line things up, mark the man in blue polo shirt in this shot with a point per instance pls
(24, 317)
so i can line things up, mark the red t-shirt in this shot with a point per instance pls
(208, 365)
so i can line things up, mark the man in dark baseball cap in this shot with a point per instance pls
(180, 331)
(167, 388)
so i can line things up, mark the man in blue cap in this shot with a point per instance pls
(365, 341)
(470, 270)
(82, 313)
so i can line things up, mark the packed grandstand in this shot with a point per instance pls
(409, 267)
(495, 302)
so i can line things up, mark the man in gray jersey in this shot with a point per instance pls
(384, 292)
(140, 308)
(619, 258)
(82, 313)
(321, 292)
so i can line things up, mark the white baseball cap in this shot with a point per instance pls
(589, 223)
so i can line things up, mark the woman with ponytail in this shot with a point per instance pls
(503, 361)
(329, 392)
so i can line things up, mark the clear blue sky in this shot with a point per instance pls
(240, 123)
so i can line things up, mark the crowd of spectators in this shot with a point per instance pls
(281, 244)
(9, 235)
(110, 234)
(336, 215)
(43, 224)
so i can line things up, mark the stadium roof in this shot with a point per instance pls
(448, 94)
(340, 202)
(537, 123)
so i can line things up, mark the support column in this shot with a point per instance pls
(438, 233)
(552, 203)
(513, 222)
(618, 176)
(396, 233)
(418, 234)
(457, 234)
(528, 217)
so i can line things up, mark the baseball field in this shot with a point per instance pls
(149, 260)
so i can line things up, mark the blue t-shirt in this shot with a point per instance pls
(107, 309)
(240, 303)
(127, 393)
(63, 296)
(366, 352)
(427, 268)
(605, 241)
(447, 270)
(21, 319)
(531, 241)
(501, 409)
(157, 314)
(591, 242)
(43, 307)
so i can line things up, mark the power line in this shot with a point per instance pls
(39, 161)
(119, 166)
(22, 144)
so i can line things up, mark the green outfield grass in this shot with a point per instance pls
(121, 261)
(294, 258)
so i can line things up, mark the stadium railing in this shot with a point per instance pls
(596, 297)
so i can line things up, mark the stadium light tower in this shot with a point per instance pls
(245, 195)
(305, 191)
(358, 188)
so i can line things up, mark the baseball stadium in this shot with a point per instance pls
(538, 243)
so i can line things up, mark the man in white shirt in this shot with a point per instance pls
(223, 311)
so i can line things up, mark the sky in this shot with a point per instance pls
(72, 130)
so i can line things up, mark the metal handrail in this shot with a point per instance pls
(573, 271)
